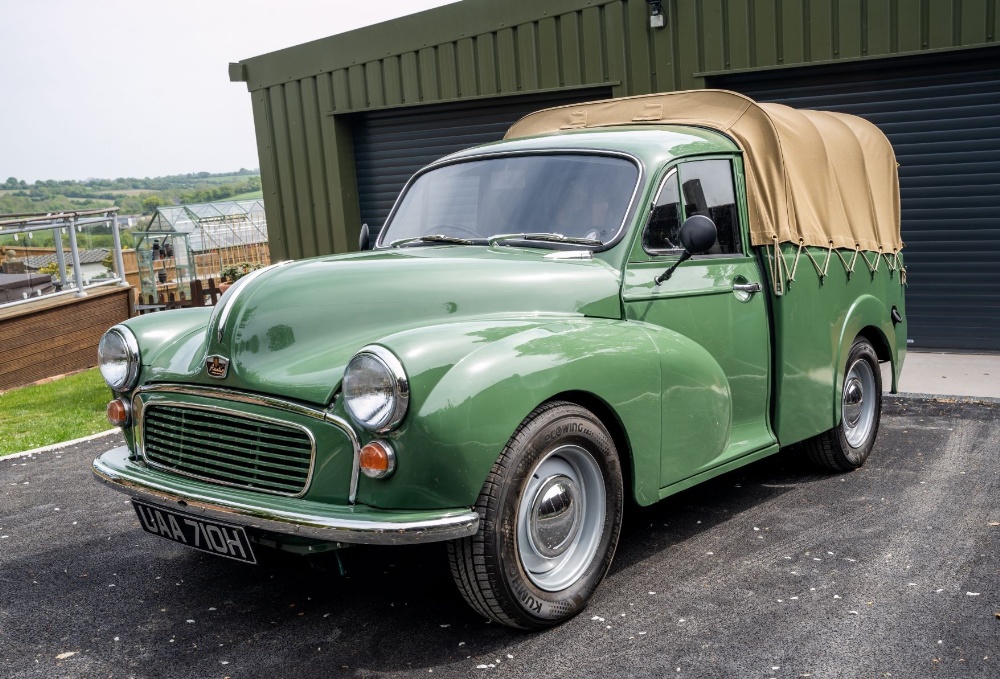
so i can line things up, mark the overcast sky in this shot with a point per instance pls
(129, 88)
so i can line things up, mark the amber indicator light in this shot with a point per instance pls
(377, 460)
(117, 413)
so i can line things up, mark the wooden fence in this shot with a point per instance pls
(207, 265)
(202, 294)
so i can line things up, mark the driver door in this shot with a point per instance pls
(703, 302)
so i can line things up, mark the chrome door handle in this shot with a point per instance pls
(746, 287)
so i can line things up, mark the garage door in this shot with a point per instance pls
(389, 146)
(942, 115)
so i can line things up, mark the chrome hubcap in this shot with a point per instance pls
(560, 518)
(858, 404)
(853, 402)
(556, 516)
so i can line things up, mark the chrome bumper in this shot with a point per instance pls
(284, 516)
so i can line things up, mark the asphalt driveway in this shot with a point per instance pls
(771, 571)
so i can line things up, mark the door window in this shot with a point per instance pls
(665, 221)
(699, 187)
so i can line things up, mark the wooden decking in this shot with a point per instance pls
(57, 335)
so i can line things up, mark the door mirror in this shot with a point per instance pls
(364, 239)
(698, 234)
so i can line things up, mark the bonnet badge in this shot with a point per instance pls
(217, 366)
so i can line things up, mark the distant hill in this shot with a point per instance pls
(131, 194)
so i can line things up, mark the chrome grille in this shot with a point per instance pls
(228, 448)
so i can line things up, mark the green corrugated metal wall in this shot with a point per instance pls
(479, 49)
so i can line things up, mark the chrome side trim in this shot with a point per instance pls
(224, 394)
(345, 426)
(439, 525)
(233, 395)
(570, 254)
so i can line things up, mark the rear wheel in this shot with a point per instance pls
(847, 446)
(550, 514)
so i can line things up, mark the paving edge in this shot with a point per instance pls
(57, 446)
(943, 398)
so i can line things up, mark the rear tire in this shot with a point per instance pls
(550, 514)
(846, 447)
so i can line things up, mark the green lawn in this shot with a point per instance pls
(253, 195)
(61, 410)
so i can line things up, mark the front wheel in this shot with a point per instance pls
(550, 514)
(847, 446)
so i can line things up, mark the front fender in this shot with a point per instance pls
(472, 384)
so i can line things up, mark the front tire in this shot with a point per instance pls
(550, 515)
(846, 447)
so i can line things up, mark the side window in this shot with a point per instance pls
(707, 187)
(665, 220)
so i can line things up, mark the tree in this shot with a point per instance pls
(129, 204)
(150, 204)
(11, 183)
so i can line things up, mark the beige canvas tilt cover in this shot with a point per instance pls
(813, 177)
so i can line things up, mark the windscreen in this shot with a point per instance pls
(583, 196)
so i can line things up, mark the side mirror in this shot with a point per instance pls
(364, 239)
(698, 234)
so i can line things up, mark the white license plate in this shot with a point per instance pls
(213, 537)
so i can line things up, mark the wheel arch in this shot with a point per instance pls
(868, 318)
(604, 412)
(878, 341)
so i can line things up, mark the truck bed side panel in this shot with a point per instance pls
(816, 320)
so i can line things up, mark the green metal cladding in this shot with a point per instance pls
(304, 97)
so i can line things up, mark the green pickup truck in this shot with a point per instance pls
(618, 301)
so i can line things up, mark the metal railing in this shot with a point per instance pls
(70, 222)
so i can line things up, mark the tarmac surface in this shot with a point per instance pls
(774, 570)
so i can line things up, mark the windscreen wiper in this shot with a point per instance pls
(547, 237)
(435, 238)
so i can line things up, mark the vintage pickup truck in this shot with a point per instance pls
(618, 301)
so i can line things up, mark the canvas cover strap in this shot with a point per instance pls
(782, 277)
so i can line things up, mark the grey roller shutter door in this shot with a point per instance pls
(942, 115)
(389, 146)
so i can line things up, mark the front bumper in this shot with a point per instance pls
(354, 524)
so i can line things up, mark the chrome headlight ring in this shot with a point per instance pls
(376, 389)
(118, 358)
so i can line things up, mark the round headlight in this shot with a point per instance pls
(118, 357)
(376, 391)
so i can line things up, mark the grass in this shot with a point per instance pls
(52, 412)
(253, 195)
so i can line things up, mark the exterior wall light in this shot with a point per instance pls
(657, 19)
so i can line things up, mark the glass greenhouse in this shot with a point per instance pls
(187, 242)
